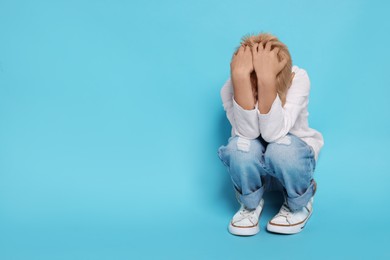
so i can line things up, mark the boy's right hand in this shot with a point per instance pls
(241, 67)
(242, 63)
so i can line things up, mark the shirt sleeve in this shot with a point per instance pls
(279, 120)
(245, 123)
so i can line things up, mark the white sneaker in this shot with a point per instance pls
(288, 222)
(246, 222)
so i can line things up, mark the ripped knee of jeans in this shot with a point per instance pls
(243, 144)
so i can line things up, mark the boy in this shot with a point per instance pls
(271, 145)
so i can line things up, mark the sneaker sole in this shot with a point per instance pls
(244, 231)
(293, 229)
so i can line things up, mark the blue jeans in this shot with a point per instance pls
(256, 166)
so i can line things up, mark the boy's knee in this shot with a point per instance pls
(287, 159)
(241, 152)
(277, 154)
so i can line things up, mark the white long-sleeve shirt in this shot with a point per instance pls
(274, 126)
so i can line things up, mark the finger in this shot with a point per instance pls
(235, 52)
(241, 49)
(251, 41)
(247, 48)
(276, 50)
(253, 47)
(260, 46)
(282, 63)
(268, 46)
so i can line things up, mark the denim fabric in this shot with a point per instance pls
(256, 166)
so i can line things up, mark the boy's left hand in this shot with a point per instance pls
(266, 63)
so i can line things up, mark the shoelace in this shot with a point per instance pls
(284, 211)
(246, 213)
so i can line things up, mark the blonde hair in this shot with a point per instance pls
(284, 76)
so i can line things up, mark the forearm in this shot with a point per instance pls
(271, 116)
(243, 93)
(277, 120)
(266, 95)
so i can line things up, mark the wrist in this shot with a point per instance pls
(266, 83)
(240, 75)
(241, 81)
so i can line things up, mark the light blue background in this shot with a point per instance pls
(110, 121)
